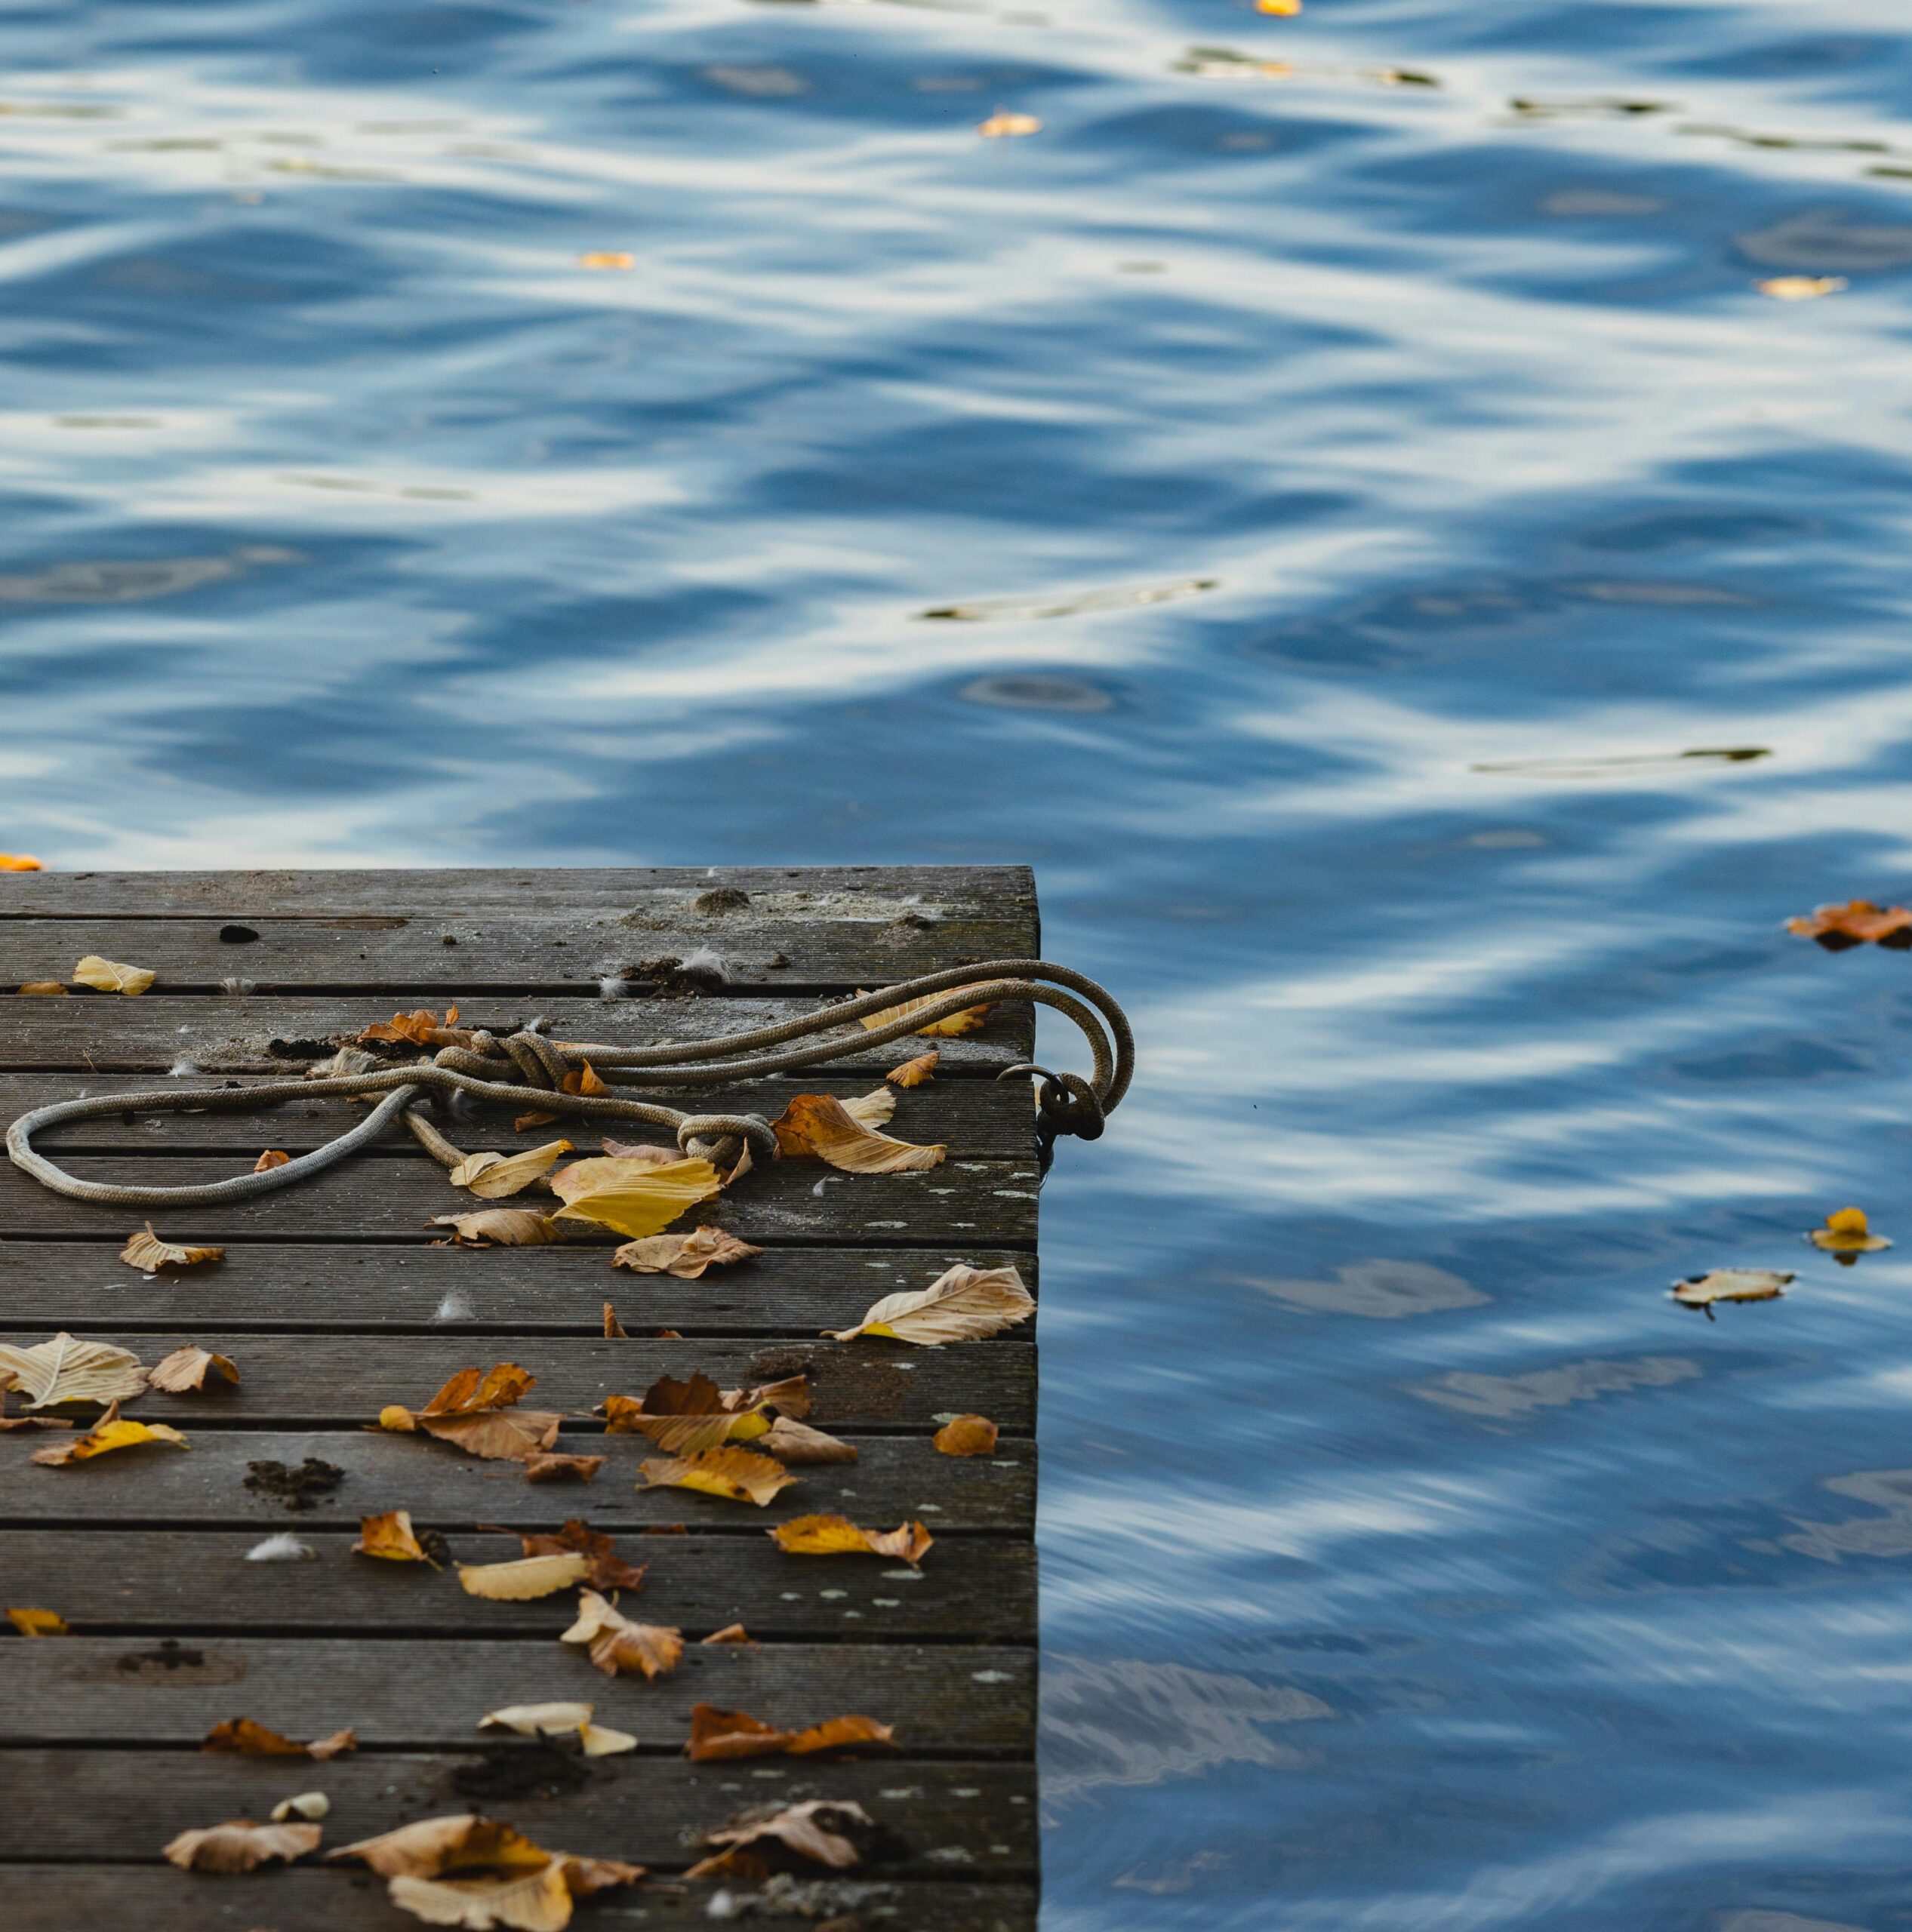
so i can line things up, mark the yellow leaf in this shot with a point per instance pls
(1001, 123)
(107, 977)
(607, 258)
(37, 1622)
(148, 1253)
(239, 1845)
(390, 1536)
(618, 1644)
(967, 1435)
(110, 1433)
(819, 1124)
(187, 1368)
(837, 1536)
(527, 1577)
(42, 986)
(69, 1369)
(969, 1020)
(629, 1196)
(1845, 1236)
(1801, 288)
(1287, 8)
(914, 1072)
(740, 1474)
(273, 1157)
(1730, 1284)
(685, 1256)
(493, 1176)
(500, 1227)
(240, 1737)
(556, 1721)
(963, 1304)
(18, 862)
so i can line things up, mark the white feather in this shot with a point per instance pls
(283, 1548)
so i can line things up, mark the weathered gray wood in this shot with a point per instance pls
(384, 1197)
(791, 1291)
(108, 1033)
(327, 1381)
(951, 1698)
(64, 1805)
(982, 1588)
(893, 1477)
(980, 1117)
(61, 1898)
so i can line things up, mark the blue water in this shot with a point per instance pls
(1304, 441)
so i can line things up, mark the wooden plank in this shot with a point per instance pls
(980, 1117)
(106, 1033)
(283, 1286)
(958, 1699)
(384, 1197)
(59, 1898)
(982, 1588)
(978, 1815)
(892, 1476)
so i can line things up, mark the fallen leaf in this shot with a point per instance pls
(614, 1331)
(687, 1417)
(390, 1536)
(186, 1369)
(19, 862)
(872, 1110)
(557, 1720)
(469, 1411)
(608, 1571)
(970, 1019)
(1001, 123)
(1287, 8)
(685, 1256)
(527, 1577)
(493, 1176)
(914, 1072)
(837, 1536)
(1730, 1284)
(967, 1435)
(239, 1845)
(616, 1644)
(500, 1227)
(543, 1466)
(105, 976)
(1845, 1236)
(37, 1622)
(731, 1633)
(7, 1422)
(1836, 928)
(273, 1157)
(42, 986)
(607, 258)
(963, 1304)
(819, 1124)
(813, 1829)
(107, 1434)
(309, 1804)
(797, 1443)
(645, 1153)
(739, 1474)
(417, 1029)
(240, 1737)
(69, 1369)
(629, 1196)
(148, 1253)
(585, 1079)
(1801, 288)
(716, 1735)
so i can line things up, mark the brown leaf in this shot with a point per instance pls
(239, 1845)
(41, 986)
(7, 1422)
(685, 1256)
(497, 1435)
(967, 1435)
(646, 1153)
(107, 1434)
(617, 1644)
(500, 1227)
(544, 1467)
(797, 1443)
(390, 1536)
(731, 1633)
(819, 1124)
(963, 1304)
(608, 1572)
(738, 1474)
(686, 1418)
(186, 1369)
(68, 1369)
(614, 1331)
(500, 1386)
(914, 1072)
(105, 976)
(527, 1578)
(146, 1252)
(240, 1737)
(1836, 928)
(37, 1622)
(419, 1027)
(837, 1536)
(717, 1734)
(814, 1829)
(272, 1157)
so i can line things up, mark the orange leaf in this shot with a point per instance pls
(609, 1571)
(914, 1072)
(43, 986)
(617, 1644)
(544, 1467)
(186, 1369)
(837, 1536)
(731, 1633)
(738, 1474)
(37, 1622)
(967, 1435)
(607, 258)
(391, 1536)
(1000, 124)
(272, 1157)
(418, 1028)
(240, 1737)
(614, 1331)
(717, 1734)
(1836, 928)
(18, 862)
(819, 1124)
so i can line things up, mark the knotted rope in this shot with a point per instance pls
(528, 1069)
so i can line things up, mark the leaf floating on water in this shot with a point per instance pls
(1592, 768)
(741, 1475)
(632, 1197)
(963, 1304)
(1286, 8)
(106, 977)
(814, 1829)
(69, 1369)
(967, 1435)
(527, 1578)
(1837, 927)
(493, 1176)
(19, 862)
(607, 258)
(273, 1157)
(685, 1256)
(43, 986)
(609, 1571)
(1001, 124)
(110, 1434)
(717, 1735)
(970, 1019)
(819, 1124)
(1701, 1291)
(39, 1623)
(148, 1253)
(240, 1846)
(500, 1227)
(391, 1536)
(186, 1369)
(1845, 1236)
(837, 1536)
(618, 1645)
(1000, 609)
(1801, 288)
(240, 1737)
(914, 1072)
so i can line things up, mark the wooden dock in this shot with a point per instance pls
(334, 1302)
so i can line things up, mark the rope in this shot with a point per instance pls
(527, 1069)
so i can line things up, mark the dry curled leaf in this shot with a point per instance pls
(618, 1644)
(731, 1633)
(312, 1805)
(963, 1304)
(717, 1734)
(500, 1227)
(646, 1153)
(609, 1571)
(630, 1197)
(614, 1331)
(239, 1845)
(1001, 123)
(1845, 1236)
(1801, 288)
(914, 1072)
(837, 1536)
(392, 1537)
(240, 1737)
(527, 1578)
(544, 1466)
(560, 1720)
(69, 1369)
(108, 1433)
(816, 1829)
(1701, 1291)
(419, 1027)
(1837, 927)
(148, 1253)
(42, 987)
(685, 1256)
(970, 1019)
(37, 1622)
(471, 1411)
(740, 1474)
(967, 1435)
(493, 1176)
(105, 976)
(819, 1124)
(875, 1108)
(186, 1369)
(684, 1417)
(273, 1157)
(19, 862)
(796, 1443)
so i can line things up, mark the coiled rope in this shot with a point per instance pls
(528, 1069)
